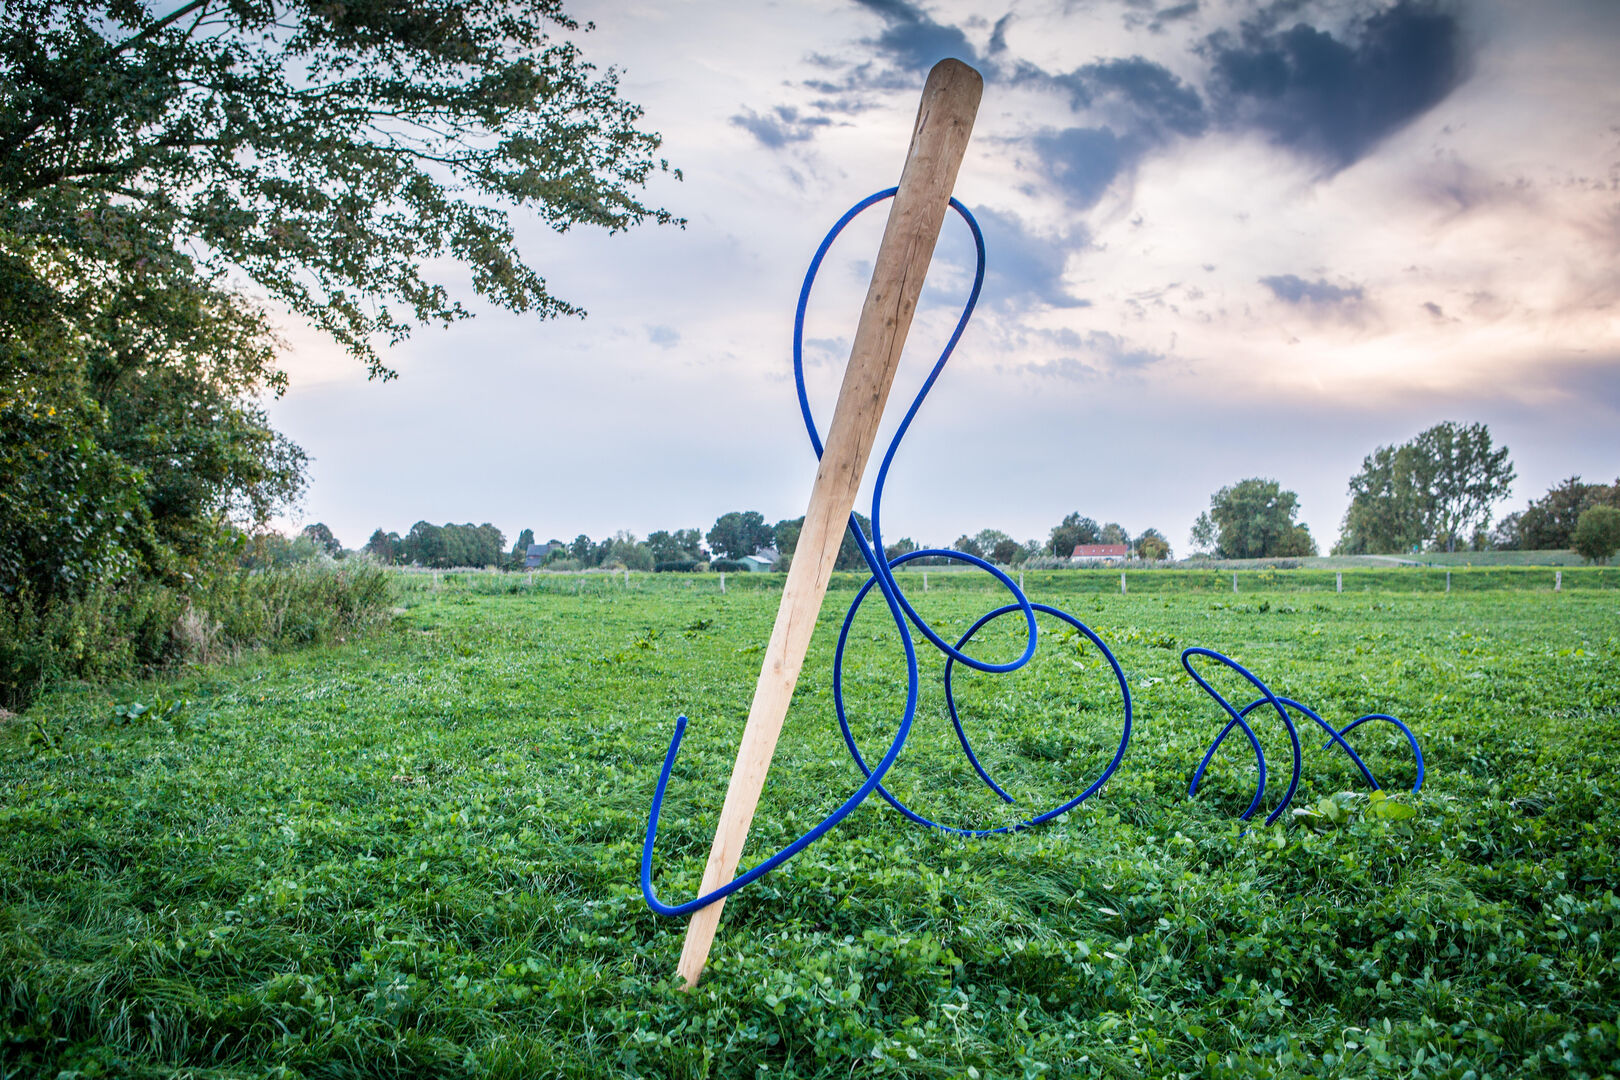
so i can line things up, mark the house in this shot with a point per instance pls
(1100, 553)
(763, 559)
(536, 555)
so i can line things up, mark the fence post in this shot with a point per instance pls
(1558, 581)
(1339, 581)
(1122, 583)
(1448, 581)
(1234, 581)
(925, 581)
(627, 577)
(722, 581)
(1020, 581)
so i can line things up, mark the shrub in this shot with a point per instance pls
(675, 566)
(135, 628)
(728, 565)
(1597, 534)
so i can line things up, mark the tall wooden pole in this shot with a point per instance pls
(950, 100)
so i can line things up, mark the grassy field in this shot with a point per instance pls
(417, 854)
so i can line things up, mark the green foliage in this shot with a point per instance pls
(1436, 489)
(447, 545)
(416, 854)
(1073, 531)
(1151, 546)
(1254, 519)
(739, 534)
(137, 627)
(1551, 521)
(1597, 536)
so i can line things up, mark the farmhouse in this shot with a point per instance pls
(1100, 553)
(763, 559)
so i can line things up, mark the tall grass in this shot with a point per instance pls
(140, 627)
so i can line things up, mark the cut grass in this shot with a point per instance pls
(417, 855)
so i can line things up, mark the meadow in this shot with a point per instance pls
(417, 853)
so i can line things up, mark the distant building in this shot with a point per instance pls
(537, 554)
(1100, 553)
(763, 559)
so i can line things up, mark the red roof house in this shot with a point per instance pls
(1100, 553)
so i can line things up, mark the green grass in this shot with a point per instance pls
(417, 854)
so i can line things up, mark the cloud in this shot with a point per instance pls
(782, 125)
(1081, 162)
(913, 39)
(1292, 289)
(665, 337)
(1331, 99)
(1023, 266)
(1110, 355)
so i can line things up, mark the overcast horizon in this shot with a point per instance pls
(1224, 240)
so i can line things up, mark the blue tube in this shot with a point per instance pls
(1281, 705)
(902, 612)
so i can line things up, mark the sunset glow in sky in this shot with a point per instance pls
(1225, 240)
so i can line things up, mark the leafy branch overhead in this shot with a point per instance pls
(327, 150)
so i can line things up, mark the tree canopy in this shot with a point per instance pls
(1254, 519)
(1432, 491)
(156, 166)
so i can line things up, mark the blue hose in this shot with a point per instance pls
(1239, 718)
(902, 612)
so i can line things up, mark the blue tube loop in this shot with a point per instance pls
(902, 612)
(1282, 705)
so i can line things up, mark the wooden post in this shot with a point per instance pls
(1020, 581)
(950, 100)
(1448, 582)
(1122, 583)
(722, 581)
(1234, 581)
(925, 581)
(1558, 581)
(1339, 581)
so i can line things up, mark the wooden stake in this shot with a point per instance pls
(950, 100)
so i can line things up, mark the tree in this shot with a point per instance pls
(968, 545)
(520, 550)
(787, 534)
(1202, 537)
(1074, 530)
(676, 546)
(1113, 533)
(582, 550)
(1597, 534)
(1006, 551)
(384, 547)
(1151, 546)
(322, 538)
(329, 156)
(1255, 519)
(1435, 489)
(900, 547)
(738, 534)
(1549, 522)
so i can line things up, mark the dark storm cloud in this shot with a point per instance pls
(912, 38)
(1334, 99)
(1024, 267)
(1141, 106)
(1292, 289)
(780, 126)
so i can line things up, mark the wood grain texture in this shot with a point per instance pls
(950, 100)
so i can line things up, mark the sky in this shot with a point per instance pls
(1224, 240)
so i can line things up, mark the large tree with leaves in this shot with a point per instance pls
(1254, 519)
(1437, 489)
(162, 171)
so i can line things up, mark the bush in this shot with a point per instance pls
(728, 565)
(1597, 534)
(119, 631)
(675, 566)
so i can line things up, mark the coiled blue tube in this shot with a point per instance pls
(1281, 705)
(902, 612)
